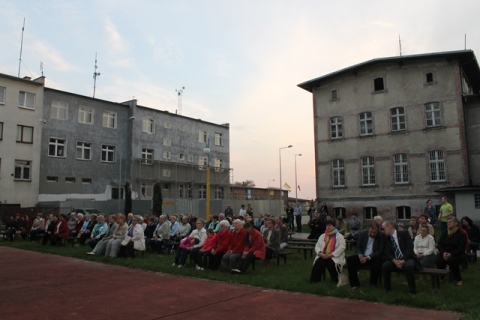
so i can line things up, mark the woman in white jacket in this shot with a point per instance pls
(330, 249)
(137, 238)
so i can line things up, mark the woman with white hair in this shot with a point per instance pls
(135, 238)
(113, 245)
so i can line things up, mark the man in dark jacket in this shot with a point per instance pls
(317, 227)
(399, 255)
(370, 247)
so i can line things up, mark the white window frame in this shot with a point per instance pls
(24, 135)
(83, 150)
(202, 136)
(109, 119)
(167, 124)
(336, 128)
(167, 173)
(108, 151)
(218, 164)
(3, 94)
(190, 158)
(368, 171)
(338, 173)
(202, 161)
(400, 168)
(59, 146)
(85, 115)
(59, 110)
(219, 192)
(202, 192)
(334, 95)
(148, 125)
(433, 114)
(22, 170)
(146, 191)
(167, 142)
(167, 155)
(397, 117)
(436, 164)
(366, 123)
(26, 100)
(147, 156)
(218, 139)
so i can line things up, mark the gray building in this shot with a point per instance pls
(391, 133)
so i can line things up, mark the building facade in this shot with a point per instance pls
(391, 132)
(21, 121)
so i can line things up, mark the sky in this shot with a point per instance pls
(239, 61)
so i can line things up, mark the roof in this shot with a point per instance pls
(459, 189)
(466, 58)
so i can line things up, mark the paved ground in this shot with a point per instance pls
(40, 286)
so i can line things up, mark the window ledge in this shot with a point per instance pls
(26, 108)
(334, 100)
(431, 83)
(392, 133)
(338, 187)
(437, 182)
(396, 185)
(434, 128)
(369, 186)
(366, 136)
(380, 91)
(337, 139)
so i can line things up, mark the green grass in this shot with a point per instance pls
(294, 276)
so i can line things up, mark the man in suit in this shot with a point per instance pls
(399, 256)
(370, 247)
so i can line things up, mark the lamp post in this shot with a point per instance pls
(296, 185)
(120, 167)
(280, 159)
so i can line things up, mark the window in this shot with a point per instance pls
(117, 193)
(85, 115)
(202, 161)
(24, 134)
(437, 165)
(87, 180)
(218, 139)
(3, 91)
(167, 173)
(218, 164)
(147, 191)
(338, 173)
(403, 213)
(334, 95)
(432, 114)
(1, 130)
(181, 191)
(400, 168)
(219, 193)
(167, 155)
(108, 154)
(56, 147)
(378, 84)
(181, 156)
(339, 211)
(22, 170)
(148, 125)
(370, 212)
(202, 136)
(109, 119)
(336, 131)
(166, 186)
(189, 191)
(52, 179)
(84, 150)
(366, 123)
(398, 118)
(167, 141)
(59, 110)
(147, 156)
(70, 179)
(181, 128)
(429, 78)
(190, 158)
(26, 100)
(368, 171)
(167, 124)
(202, 192)
(477, 201)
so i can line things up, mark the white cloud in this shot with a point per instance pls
(50, 57)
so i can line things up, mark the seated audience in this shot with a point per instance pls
(399, 255)
(354, 227)
(283, 230)
(204, 255)
(431, 211)
(99, 249)
(473, 233)
(271, 237)
(135, 239)
(193, 251)
(424, 247)
(49, 228)
(38, 227)
(236, 245)
(370, 247)
(379, 221)
(254, 248)
(61, 230)
(317, 227)
(423, 220)
(330, 250)
(72, 223)
(221, 247)
(11, 227)
(113, 245)
(413, 229)
(451, 249)
(160, 235)
(183, 229)
(174, 225)
(99, 230)
(86, 230)
(149, 230)
(341, 225)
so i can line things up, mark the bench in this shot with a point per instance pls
(435, 274)
(69, 239)
(305, 249)
(350, 244)
(281, 254)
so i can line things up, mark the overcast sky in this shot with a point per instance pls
(240, 61)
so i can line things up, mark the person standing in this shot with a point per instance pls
(431, 211)
(298, 216)
(289, 212)
(228, 212)
(242, 211)
(446, 211)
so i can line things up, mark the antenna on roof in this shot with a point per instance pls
(465, 41)
(180, 93)
(41, 67)
(95, 75)
(400, 45)
(21, 48)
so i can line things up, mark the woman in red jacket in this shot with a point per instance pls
(236, 245)
(61, 230)
(254, 249)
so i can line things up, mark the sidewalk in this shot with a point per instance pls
(43, 286)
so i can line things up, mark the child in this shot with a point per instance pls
(204, 253)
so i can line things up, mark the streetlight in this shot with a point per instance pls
(296, 185)
(280, 158)
(120, 168)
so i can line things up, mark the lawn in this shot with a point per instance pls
(294, 276)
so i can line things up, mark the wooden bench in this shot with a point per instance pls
(351, 244)
(435, 274)
(281, 254)
(305, 249)
(71, 240)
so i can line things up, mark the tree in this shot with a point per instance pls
(246, 183)
(157, 199)
(128, 198)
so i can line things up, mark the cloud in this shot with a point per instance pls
(118, 47)
(168, 51)
(50, 57)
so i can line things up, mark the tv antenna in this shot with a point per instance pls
(21, 48)
(95, 75)
(180, 94)
(400, 45)
(41, 67)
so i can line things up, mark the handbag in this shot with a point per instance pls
(342, 278)
(126, 240)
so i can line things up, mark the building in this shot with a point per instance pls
(391, 133)
(21, 121)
